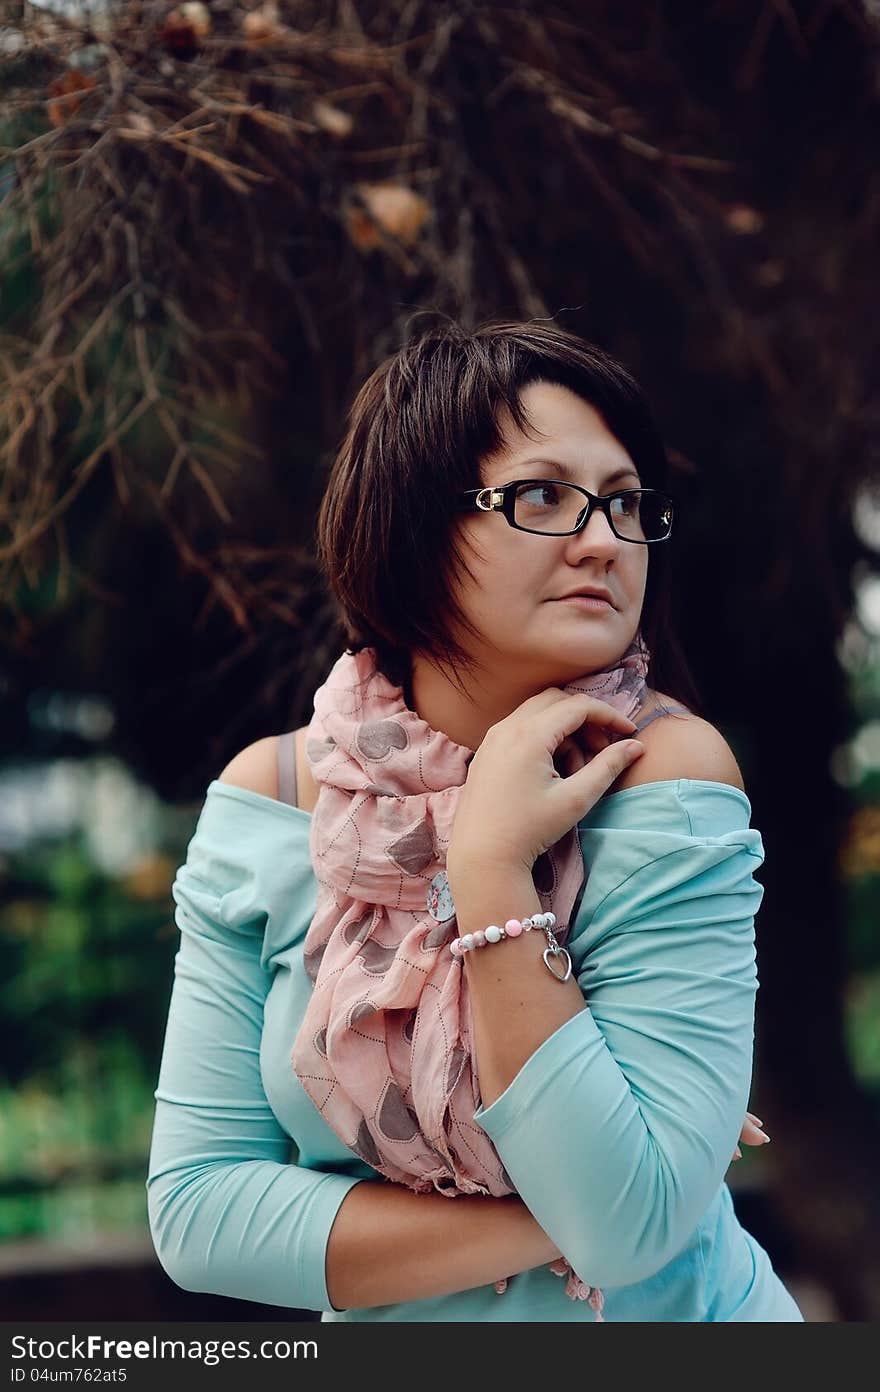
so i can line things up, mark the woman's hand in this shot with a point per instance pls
(514, 804)
(751, 1134)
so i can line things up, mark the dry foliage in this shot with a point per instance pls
(179, 181)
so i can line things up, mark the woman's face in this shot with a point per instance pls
(519, 577)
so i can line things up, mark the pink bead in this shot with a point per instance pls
(513, 927)
(479, 938)
(455, 949)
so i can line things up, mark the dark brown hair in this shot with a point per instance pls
(417, 431)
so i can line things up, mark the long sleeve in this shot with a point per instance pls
(228, 1213)
(619, 1128)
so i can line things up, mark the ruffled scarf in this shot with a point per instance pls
(385, 1046)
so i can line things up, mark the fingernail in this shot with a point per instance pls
(737, 1154)
(766, 1140)
(757, 1120)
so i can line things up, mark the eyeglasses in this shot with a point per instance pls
(551, 508)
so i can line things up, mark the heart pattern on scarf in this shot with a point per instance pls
(377, 738)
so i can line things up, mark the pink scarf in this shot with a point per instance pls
(384, 1050)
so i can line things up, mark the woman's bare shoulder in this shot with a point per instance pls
(680, 745)
(256, 768)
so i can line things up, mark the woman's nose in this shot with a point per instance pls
(596, 536)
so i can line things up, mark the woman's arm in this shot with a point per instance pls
(228, 1213)
(390, 1245)
(519, 988)
(634, 1102)
(517, 984)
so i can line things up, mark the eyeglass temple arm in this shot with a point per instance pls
(467, 502)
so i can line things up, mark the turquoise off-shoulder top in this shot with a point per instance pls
(617, 1132)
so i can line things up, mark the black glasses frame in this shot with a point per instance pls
(503, 500)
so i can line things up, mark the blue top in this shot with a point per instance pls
(634, 1105)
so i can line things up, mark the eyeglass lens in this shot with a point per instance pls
(556, 508)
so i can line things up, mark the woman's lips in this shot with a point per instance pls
(590, 604)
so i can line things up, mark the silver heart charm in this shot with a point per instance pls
(439, 900)
(550, 953)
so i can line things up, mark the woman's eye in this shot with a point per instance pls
(627, 503)
(538, 492)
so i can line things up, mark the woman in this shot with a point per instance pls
(478, 1108)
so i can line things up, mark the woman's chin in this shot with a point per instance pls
(585, 654)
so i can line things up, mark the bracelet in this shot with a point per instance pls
(512, 929)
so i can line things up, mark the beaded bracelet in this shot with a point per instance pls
(512, 929)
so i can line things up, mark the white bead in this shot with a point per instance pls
(467, 942)
(493, 933)
(552, 918)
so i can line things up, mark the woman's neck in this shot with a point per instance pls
(462, 718)
(465, 718)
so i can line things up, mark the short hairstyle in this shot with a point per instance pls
(417, 430)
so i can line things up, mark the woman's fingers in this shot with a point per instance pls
(594, 778)
(752, 1133)
(577, 711)
(601, 713)
(553, 697)
(569, 756)
(595, 738)
(594, 729)
(599, 729)
(587, 721)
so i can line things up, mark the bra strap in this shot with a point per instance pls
(655, 715)
(287, 767)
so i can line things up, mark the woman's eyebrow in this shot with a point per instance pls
(567, 473)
